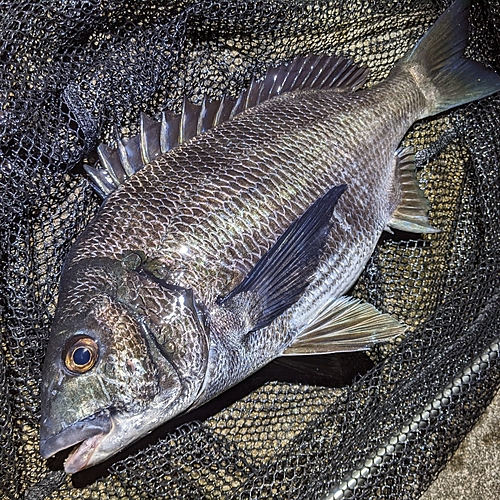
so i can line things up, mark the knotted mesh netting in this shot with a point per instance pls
(73, 70)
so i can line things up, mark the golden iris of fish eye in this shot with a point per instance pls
(90, 350)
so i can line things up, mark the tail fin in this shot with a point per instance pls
(445, 77)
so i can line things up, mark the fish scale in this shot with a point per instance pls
(301, 141)
(237, 246)
(320, 147)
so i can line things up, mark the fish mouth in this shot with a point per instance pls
(87, 433)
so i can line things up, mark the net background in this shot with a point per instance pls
(73, 70)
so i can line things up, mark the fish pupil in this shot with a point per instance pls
(81, 356)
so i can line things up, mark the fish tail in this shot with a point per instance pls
(437, 62)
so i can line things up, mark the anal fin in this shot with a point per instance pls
(412, 212)
(345, 324)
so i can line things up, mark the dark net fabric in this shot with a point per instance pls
(71, 71)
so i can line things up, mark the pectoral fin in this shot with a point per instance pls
(345, 324)
(283, 273)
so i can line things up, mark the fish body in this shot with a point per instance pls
(238, 246)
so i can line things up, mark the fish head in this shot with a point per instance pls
(127, 352)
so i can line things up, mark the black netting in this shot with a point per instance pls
(71, 71)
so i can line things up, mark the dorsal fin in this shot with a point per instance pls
(155, 138)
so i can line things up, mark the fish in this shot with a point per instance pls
(231, 234)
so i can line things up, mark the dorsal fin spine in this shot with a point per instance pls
(237, 106)
(313, 71)
(122, 153)
(252, 94)
(101, 183)
(201, 126)
(149, 138)
(224, 111)
(169, 137)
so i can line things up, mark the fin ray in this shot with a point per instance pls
(169, 135)
(411, 213)
(129, 152)
(448, 78)
(345, 324)
(189, 119)
(149, 138)
(310, 72)
(283, 273)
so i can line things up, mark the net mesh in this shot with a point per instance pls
(73, 70)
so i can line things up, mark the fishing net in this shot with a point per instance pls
(70, 72)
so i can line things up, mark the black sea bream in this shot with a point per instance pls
(238, 245)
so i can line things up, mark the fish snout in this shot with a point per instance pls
(51, 443)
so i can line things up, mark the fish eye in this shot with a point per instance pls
(81, 355)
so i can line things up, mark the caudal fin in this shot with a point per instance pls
(444, 75)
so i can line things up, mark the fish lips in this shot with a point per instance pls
(88, 433)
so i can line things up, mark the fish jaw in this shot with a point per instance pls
(81, 456)
(103, 435)
(87, 434)
(96, 425)
(100, 447)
